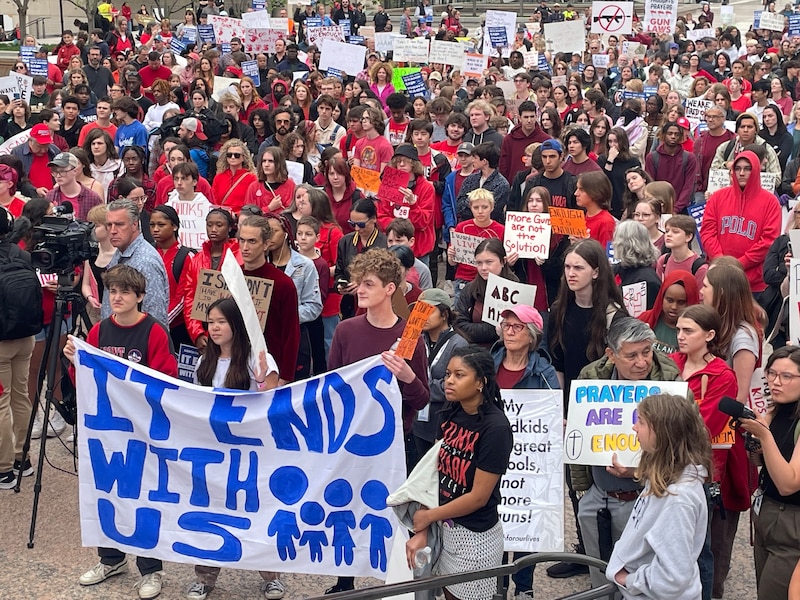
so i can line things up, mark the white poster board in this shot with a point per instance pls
(226, 28)
(634, 296)
(447, 53)
(348, 58)
(384, 41)
(258, 19)
(660, 16)
(528, 234)
(410, 50)
(315, 35)
(193, 219)
(464, 247)
(612, 18)
(475, 65)
(600, 419)
(499, 18)
(771, 21)
(696, 110)
(502, 294)
(567, 36)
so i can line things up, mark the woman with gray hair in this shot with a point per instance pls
(636, 255)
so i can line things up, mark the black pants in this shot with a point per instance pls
(303, 370)
(112, 556)
(316, 334)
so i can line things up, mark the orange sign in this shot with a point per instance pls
(367, 180)
(568, 221)
(416, 321)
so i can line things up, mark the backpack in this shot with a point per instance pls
(20, 296)
(180, 259)
(656, 156)
(696, 263)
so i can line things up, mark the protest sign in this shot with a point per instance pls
(794, 25)
(413, 329)
(18, 140)
(634, 296)
(279, 23)
(226, 28)
(660, 16)
(211, 286)
(497, 36)
(259, 5)
(356, 39)
(771, 21)
(475, 64)
(446, 53)
(192, 213)
(527, 234)
(568, 221)
(566, 36)
(239, 288)
(206, 33)
(384, 41)
(499, 18)
(502, 294)
(250, 69)
(366, 180)
(343, 56)
(464, 247)
(559, 80)
(696, 110)
(315, 35)
(291, 480)
(414, 84)
(769, 181)
(335, 73)
(38, 66)
(221, 84)
(389, 191)
(18, 84)
(256, 20)
(410, 49)
(296, 171)
(397, 76)
(699, 34)
(726, 14)
(718, 179)
(794, 300)
(600, 60)
(532, 489)
(27, 54)
(189, 34)
(345, 25)
(187, 362)
(530, 59)
(176, 45)
(612, 17)
(600, 418)
(262, 40)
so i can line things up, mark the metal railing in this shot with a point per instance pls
(429, 583)
(39, 24)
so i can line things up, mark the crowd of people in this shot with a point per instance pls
(125, 134)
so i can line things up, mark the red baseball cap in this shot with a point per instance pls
(41, 133)
(193, 124)
(684, 123)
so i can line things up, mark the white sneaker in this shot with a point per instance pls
(36, 432)
(70, 438)
(57, 424)
(150, 585)
(273, 590)
(198, 591)
(101, 572)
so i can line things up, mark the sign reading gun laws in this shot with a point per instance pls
(660, 16)
(211, 287)
(291, 480)
(532, 503)
(600, 419)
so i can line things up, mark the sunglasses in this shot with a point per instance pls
(234, 155)
(359, 224)
(19, 68)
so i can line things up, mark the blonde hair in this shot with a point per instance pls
(247, 158)
(481, 194)
(98, 214)
(661, 192)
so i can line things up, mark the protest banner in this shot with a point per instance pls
(600, 418)
(634, 296)
(384, 41)
(226, 28)
(566, 36)
(568, 221)
(612, 17)
(696, 110)
(464, 247)
(343, 56)
(389, 191)
(532, 489)
(366, 180)
(413, 329)
(410, 50)
(497, 36)
(250, 69)
(262, 40)
(256, 20)
(397, 76)
(502, 294)
(290, 480)
(187, 362)
(527, 234)
(660, 16)
(446, 53)
(414, 83)
(771, 21)
(600, 60)
(475, 64)
(192, 213)
(211, 286)
(315, 35)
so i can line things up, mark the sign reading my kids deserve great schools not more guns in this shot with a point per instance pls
(601, 416)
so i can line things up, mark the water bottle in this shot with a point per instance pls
(422, 559)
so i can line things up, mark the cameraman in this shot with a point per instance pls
(777, 499)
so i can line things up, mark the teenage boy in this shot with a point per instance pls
(373, 151)
(681, 230)
(400, 232)
(670, 162)
(185, 177)
(72, 123)
(579, 142)
(39, 95)
(354, 132)
(64, 169)
(455, 128)
(307, 238)
(103, 110)
(66, 50)
(138, 337)
(397, 123)
(130, 131)
(558, 182)
(479, 113)
(522, 136)
(377, 275)
(329, 132)
(86, 110)
(485, 157)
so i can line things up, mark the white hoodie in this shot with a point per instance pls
(662, 541)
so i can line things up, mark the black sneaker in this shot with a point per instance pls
(344, 584)
(7, 480)
(565, 570)
(27, 468)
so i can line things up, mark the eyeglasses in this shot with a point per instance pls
(57, 172)
(515, 327)
(359, 224)
(138, 199)
(784, 378)
(20, 68)
(234, 155)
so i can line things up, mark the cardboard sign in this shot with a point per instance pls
(366, 180)
(211, 287)
(660, 16)
(410, 50)
(634, 296)
(250, 68)
(600, 419)
(446, 53)
(475, 64)
(343, 56)
(413, 329)
(612, 17)
(566, 36)
(568, 221)
(527, 234)
(502, 294)
(771, 21)
(414, 84)
(464, 247)
(389, 191)
(498, 38)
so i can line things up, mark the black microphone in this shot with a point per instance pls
(65, 208)
(735, 409)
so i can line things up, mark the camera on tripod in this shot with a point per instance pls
(63, 244)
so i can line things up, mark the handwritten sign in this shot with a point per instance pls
(502, 294)
(499, 18)
(277, 489)
(600, 60)
(771, 21)
(601, 415)
(226, 28)
(527, 234)
(389, 191)
(211, 287)
(532, 489)
(696, 110)
(192, 214)
(568, 221)
(446, 53)
(464, 247)
(410, 49)
(262, 40)
(315, 35)
(384, 41)
(634, 296)
(660, 16)
(256, 20)
(475, 64)
(411, 332)
(366, 180)
(718, 179)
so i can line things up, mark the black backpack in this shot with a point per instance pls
(696, 263)
(20, 295)
(184, 252)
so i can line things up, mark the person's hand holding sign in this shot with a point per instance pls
(398, 366)
(409, 196)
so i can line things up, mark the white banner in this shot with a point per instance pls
(600, 419)
(532, 505)
(612, 17)
(410, 50)
(527, 234)
(502, 294)
(348, 58)
(660, 16)
(567, 36)
(447, 53)
(292, 480)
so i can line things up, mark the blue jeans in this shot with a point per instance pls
(329, 325)
(458, 287)
(705, 561)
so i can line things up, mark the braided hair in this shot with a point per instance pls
(479, 360)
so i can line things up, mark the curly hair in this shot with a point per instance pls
(247, 159)
(379, 262)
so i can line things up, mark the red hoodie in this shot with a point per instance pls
(731, 466)
(689, 283)
(742, 223)
(420, 214)
(513, 150)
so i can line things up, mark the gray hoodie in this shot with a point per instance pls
(662, 540)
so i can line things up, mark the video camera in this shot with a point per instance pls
(62, 244)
